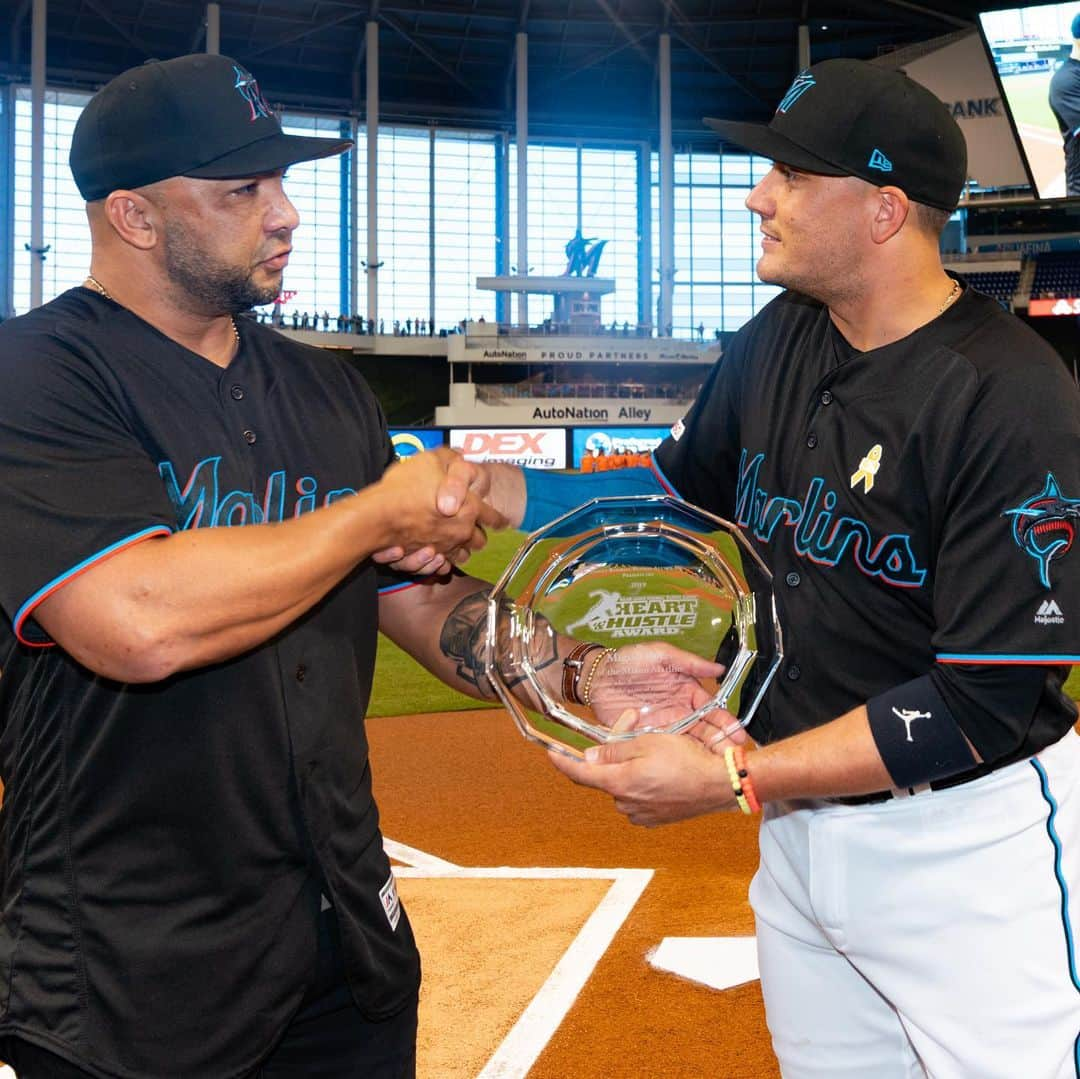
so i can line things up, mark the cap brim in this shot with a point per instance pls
(762, 139)
(274, 152)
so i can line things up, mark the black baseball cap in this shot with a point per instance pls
(852, 118)
(199, 115)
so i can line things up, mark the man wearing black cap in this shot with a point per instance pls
(907, 457)
(193, 875)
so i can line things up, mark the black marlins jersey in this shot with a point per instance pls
(1064, 101)
(917, 505)
(164, 846)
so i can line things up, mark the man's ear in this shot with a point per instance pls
(133, 217)
(890, 212)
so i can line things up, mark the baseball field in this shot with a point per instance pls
(559, 941)
(404, 687)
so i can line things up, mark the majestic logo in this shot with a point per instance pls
(820, 535)
(879, 161)
(803, 81)
(907, 716)
(1044, 526)
(868, 469)
(1049, 614)
(249, 90)
(616, 615)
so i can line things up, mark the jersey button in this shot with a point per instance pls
(301, 672)
(811, 440)
(826, 397)
(237, 393)
(794, 673)
(793, 579)
(249, 437)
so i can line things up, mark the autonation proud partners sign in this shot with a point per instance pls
(534, 447)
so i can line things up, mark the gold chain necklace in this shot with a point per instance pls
(95, 285)
(953, 293)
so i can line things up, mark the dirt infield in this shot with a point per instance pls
(466, 788)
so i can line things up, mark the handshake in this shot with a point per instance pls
(437, 508)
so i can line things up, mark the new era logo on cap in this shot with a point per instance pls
(879, 161)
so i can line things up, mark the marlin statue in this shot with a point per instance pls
(1045, 525)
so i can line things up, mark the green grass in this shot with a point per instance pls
(403, 687)
(1028, 100)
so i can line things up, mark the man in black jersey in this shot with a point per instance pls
(1065, 104)
(193, 877)
(906, 456)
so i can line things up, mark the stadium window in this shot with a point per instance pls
(313, 277)
(66, 231)
(594, 187)
(715, 242)
(404, 217)
(465, 226)
(552, 207)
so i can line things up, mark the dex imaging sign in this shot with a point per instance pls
(534, 447)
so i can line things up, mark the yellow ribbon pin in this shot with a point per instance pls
(868, 468)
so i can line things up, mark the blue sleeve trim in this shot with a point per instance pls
(388, 589)
(551, 494)
(24, 612)
(1037, 659)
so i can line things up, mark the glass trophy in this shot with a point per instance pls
(656, 582)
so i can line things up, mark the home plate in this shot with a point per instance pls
(718, 962)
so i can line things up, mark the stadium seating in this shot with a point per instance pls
(1057, 274)
(1001, 284)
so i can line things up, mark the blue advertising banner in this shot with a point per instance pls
(615, 447)
(410, 440)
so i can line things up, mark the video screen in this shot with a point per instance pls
(1036, 55)
(596, 449)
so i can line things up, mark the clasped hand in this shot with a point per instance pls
(438, 512)
(657, 778)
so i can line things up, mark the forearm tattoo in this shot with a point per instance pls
(464, 639)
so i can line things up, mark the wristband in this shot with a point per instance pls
(736, 785)
(916, 734)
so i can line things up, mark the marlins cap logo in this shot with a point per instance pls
(249, 90)
(1044, 526)
(803, 81)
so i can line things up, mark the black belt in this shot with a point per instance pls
(936, 785)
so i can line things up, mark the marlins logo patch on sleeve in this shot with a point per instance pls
(1044, 526)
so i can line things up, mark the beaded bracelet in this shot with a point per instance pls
(733, 774)
(585, 698)
(745, 781)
